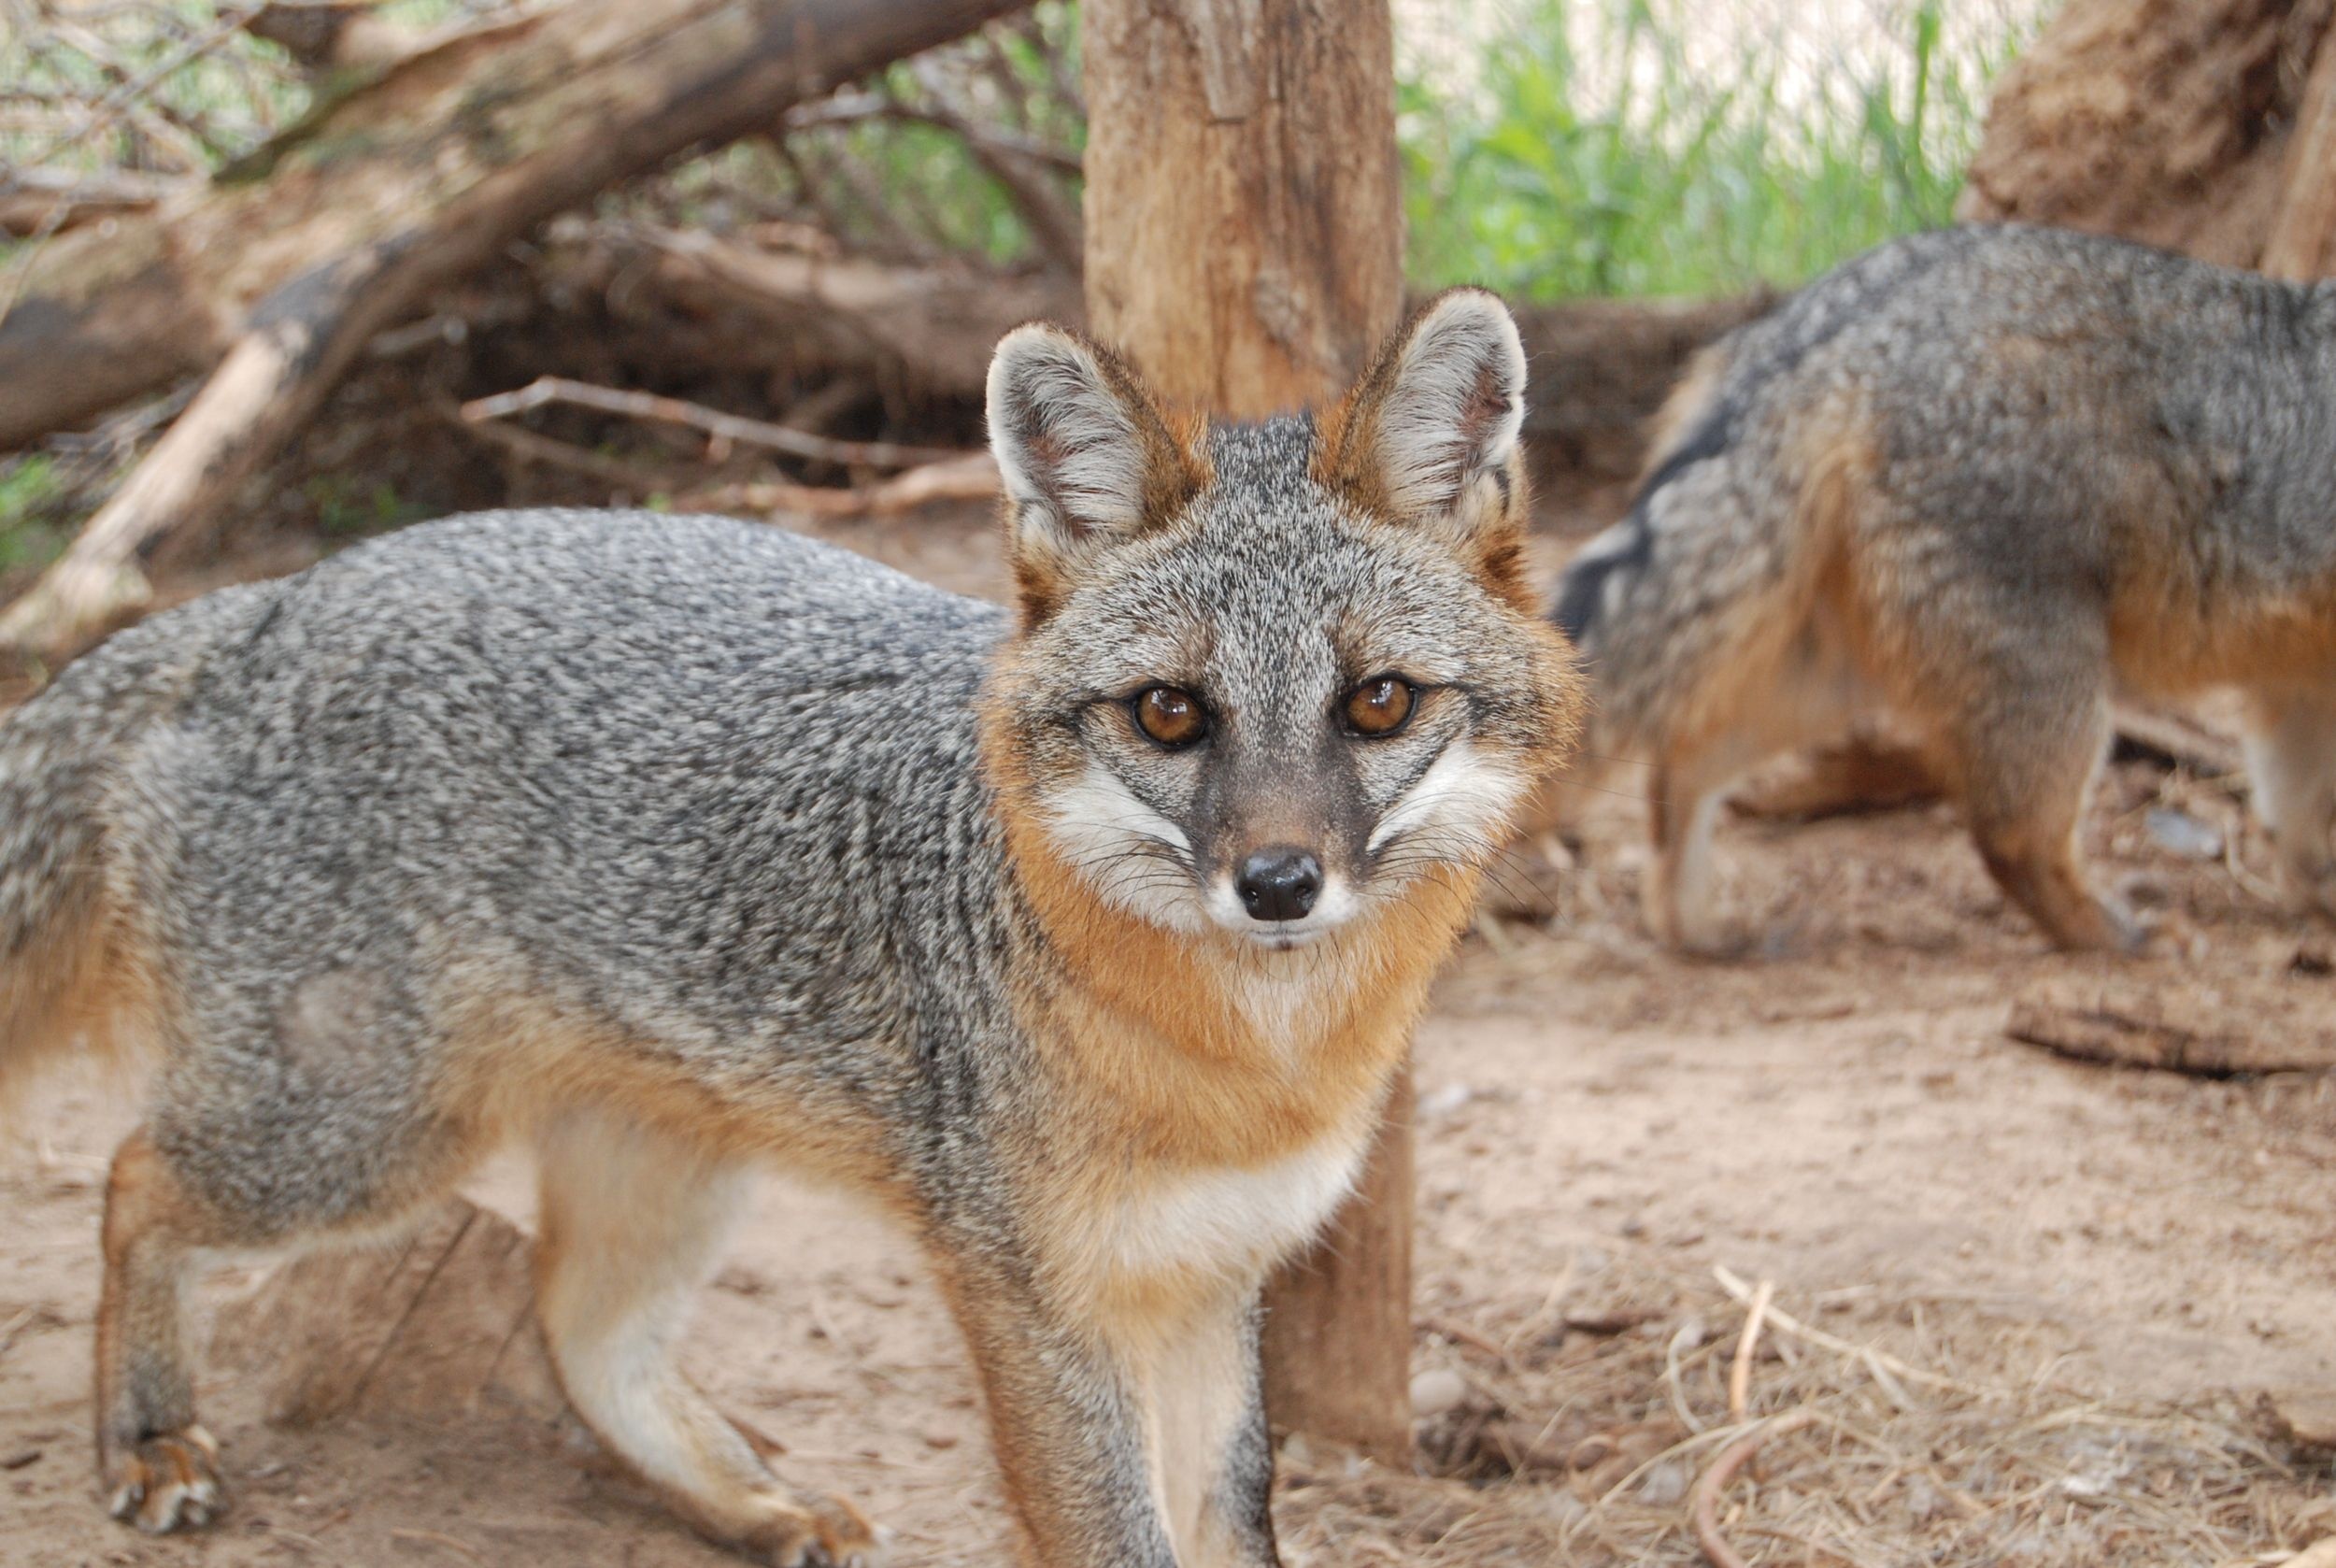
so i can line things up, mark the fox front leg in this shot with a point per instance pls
(1123, 1443)
(1203, 1385)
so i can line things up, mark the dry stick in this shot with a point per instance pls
(1734, 1284)
(1713, 1483)
(729, 427)
(1740, 1375)
(972, 476)
(437, 1537)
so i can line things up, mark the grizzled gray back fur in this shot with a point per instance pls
(708, 783)
(2015, 379)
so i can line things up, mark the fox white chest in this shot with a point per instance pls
(1224, 1221)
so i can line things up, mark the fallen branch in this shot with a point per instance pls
(2262, 1028)
(1713, 1484)
(281, 274)
(724, 427)
(972, 476)
(48, 201)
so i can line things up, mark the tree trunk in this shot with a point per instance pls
(280, 269)
(2164, 120)
(1244, 206)
(1245, 245)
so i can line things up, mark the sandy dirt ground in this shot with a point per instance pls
(1841, 1114)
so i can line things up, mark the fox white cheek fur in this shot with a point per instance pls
(1463, 801)
(1136, 857)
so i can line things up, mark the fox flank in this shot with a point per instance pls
(1084, 937)
(1979, 479)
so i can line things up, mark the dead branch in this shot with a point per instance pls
(725, 427)
(333, 35)
(971, 477)
(1713, 1484)
(1875, 1360)
(2268, 1027)
(47, 201)
(1740, 1372)
(930, 327)
(407, 181)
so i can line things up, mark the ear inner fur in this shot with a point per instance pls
(1352, 457)
(1171, 447)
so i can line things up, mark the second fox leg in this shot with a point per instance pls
(157, 1464)
(2025, 777)
(2291, 764)
(1204, 1394)
(632, 1223)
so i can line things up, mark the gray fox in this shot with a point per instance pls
(1085, 939)
(1975, 480)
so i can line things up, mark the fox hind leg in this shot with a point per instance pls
(632, 1222)
(2026, 752)
(2291, 762)
(158, 1466)
(182, 1186)
(1814, 695)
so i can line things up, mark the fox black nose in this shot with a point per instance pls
(1279, 883)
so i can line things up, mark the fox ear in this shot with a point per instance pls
(1431, 431)
(1087, 458)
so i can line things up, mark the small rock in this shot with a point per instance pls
(936, 1438)
(2307, 1415)
(1664, 1485)
(21, 1458)
(1440, 1102)
(2184, 834)
(1435, 1392)
(2314, 956)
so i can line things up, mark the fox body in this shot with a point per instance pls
(1980, 478)
(1083, 941)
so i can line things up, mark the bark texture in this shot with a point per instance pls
(2165, 120)
(1245, 246)
(1244, 204)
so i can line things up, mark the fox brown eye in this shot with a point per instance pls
(1380, 705)
(1170, 716)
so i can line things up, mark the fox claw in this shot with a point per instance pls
(829, 1534)
(168, 1482)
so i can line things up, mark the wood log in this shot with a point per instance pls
(1245, 245)
(2214, 1030)
(282, 269)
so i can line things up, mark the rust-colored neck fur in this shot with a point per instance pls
(1194, 1050)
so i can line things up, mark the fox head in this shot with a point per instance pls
(1269, 676)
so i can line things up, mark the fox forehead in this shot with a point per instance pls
(1268, 578)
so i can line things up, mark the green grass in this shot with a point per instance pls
(1541, 184)
(34, 516)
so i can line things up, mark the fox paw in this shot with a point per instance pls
(167, 1482)
(826, 1532)
(2164, 933)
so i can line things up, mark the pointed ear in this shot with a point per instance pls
(1086, 457)
(1430, 434)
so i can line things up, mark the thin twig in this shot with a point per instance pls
(972, 476)
(438, 1538)
(1740, 1374)
(1734, 1284)
(1713, 1484)
(729, 427)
